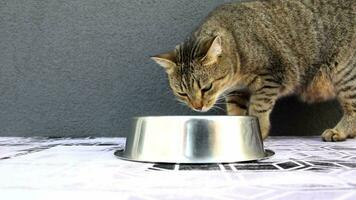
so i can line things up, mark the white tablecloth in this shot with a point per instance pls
(59, 168)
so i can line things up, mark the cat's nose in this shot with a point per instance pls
(198, 105)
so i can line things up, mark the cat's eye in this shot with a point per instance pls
(182, 94)
(207, 88)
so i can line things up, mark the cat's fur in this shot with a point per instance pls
(255, 52)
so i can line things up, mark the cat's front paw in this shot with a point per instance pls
(264, 133)
(333, 135)
(264, 127)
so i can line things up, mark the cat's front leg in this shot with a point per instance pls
(261, 105)
(237, 104)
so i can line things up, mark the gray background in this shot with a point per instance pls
(82, 67)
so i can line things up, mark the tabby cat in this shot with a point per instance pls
(253, 53)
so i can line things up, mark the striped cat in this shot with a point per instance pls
(253, 53)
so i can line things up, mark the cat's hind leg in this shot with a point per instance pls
(345, 87)
(346, 128)
(343, 130)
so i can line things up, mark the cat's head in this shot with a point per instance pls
(198, 71)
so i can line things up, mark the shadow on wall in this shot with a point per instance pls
(293, 117)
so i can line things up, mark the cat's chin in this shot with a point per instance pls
(202, 110)
(205, 109)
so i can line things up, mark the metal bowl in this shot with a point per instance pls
(194, 139)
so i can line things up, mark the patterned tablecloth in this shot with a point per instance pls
(58, 168)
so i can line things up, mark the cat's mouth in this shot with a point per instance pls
(202, 105)
(203, 109)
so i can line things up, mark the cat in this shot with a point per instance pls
(252, 53)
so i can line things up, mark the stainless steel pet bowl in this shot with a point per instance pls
(194, 139)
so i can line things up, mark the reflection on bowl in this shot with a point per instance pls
(194, 139)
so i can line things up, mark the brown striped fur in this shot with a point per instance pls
(252, 53)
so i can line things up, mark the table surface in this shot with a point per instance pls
(302, 168)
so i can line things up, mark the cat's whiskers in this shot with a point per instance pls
(229, 95)
(182, 104)
(217, 107)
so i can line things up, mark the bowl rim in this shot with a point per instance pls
(195, 116)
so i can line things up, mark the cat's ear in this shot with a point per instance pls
(166, 60)
(213, 51)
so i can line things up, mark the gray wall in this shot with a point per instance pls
(82, 67)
